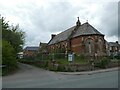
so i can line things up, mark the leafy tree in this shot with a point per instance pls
(14, 36)
(8, 58)
(12, 41)
(8, 54)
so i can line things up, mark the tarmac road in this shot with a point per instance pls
(32, 77)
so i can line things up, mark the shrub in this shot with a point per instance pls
(103, 63)
(46, 64)
(70, 69)
(61, 68)
(8, 58)
(51, 67)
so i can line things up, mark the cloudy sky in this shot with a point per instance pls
(41, 18)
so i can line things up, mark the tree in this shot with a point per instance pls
(8, 58)
(12, 41)
(15, 36)
(8, 54)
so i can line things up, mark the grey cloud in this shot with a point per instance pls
(40, 22)
(56, 18)
(119, 21)
(109, 19)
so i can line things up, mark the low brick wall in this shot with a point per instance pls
(70, 67)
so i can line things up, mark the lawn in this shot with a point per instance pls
(77, 60)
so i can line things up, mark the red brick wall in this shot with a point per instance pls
(62, 44)
(78, 45)
(29, 53)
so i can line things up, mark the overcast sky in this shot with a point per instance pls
(41, 18)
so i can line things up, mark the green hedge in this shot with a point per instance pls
(103, 63)
(8, 58)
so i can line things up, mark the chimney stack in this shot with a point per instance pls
(117, 42)
(52, 36)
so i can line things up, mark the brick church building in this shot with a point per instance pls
(79, 39)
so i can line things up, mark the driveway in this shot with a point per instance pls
(32, 77)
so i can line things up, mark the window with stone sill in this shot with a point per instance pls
(100, 43)
(116, 48)
(110, 48)
(89, 46)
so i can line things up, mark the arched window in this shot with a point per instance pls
(100, 44)
(89, 46)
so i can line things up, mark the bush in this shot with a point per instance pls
(103, 63)
(62, 61)
(8, 58)
(80, 59)
(29, 58)
(46, 64)
(61, 68)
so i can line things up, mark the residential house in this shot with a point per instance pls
(30, 51)
(114, 48)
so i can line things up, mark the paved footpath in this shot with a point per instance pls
(32, 77)
(90, 72)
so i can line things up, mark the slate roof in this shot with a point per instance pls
(113, 44)
(62, 36)
(43, 44)
(84, 29)
(32, 48)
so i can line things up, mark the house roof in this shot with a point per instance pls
(32, 48)
(62, 36)
(113, 44)
(84, 29)
(43, 44)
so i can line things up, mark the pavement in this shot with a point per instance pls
(90, 72)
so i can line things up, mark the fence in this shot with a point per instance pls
(61, 56)
(51, 56)
(60, 62)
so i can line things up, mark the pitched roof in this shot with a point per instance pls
(62, 36)
(113, 44)
(32, 48)
(84, 29)
(43, 44)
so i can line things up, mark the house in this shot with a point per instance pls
(30, 51)
(79, 39)
(113, 48)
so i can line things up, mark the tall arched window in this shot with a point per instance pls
(100, 44)
(89, 46)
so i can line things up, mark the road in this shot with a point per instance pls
(33, 77)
